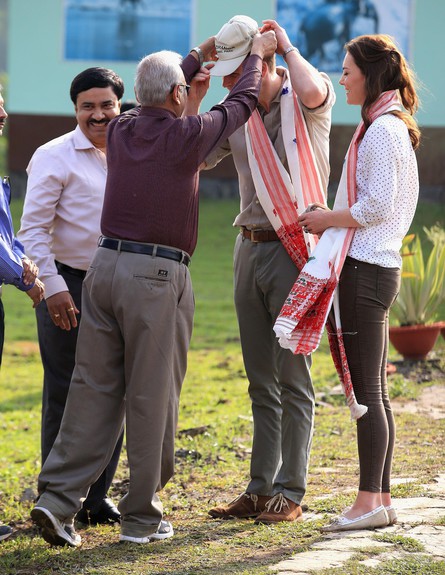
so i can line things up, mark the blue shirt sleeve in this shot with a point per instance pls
(11, 250)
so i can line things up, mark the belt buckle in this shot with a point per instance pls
(252, 236)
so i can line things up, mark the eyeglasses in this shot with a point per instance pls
(186, 86)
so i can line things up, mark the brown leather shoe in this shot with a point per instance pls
(280, 508)
(244, 506)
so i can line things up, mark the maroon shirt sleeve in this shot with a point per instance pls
(190, 66)
(153, 162)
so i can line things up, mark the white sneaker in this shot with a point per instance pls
(164, 531)
(134, 539)
(54, 531)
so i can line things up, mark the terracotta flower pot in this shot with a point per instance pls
(415, 341)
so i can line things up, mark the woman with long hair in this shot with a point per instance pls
(380, 184)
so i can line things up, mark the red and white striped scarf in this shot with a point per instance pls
(300, 324)
(284, 197)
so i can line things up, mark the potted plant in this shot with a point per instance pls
(422, 291)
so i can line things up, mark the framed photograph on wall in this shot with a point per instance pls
(126, 30)
(320, 28)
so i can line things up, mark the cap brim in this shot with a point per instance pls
(227, 67)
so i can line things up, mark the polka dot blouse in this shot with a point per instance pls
(387, 192)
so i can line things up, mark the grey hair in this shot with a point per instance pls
(156, 75)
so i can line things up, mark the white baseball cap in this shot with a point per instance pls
(233, 43)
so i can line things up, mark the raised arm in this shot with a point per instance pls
(306, 80)
(200, 82)
(205, 52)
(198, 89)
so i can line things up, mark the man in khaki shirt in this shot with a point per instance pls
(280, 385)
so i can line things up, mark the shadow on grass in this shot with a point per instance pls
(27, 401)
(207, 549)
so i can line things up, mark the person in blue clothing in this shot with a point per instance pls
(15, 268)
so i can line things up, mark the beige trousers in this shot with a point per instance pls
(130, 364)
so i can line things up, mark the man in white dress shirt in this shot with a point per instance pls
(60, 227)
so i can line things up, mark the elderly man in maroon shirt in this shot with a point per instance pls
(138, 299)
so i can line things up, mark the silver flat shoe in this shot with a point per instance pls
(376, 518)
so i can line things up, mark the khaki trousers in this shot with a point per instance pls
(280, 385)
(130, 364)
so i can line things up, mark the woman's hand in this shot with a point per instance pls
(316, 219)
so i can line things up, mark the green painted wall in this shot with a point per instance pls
(39, 78)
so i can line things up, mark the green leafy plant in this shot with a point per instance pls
(436, 234)
(422, 289)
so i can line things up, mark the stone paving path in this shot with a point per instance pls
(418, 518)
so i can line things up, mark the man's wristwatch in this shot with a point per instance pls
(290, 49)
(198, 50)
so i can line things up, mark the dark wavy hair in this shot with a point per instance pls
(385, 68)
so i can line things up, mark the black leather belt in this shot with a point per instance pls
(70, 270)
(145, 249)
(259, 235)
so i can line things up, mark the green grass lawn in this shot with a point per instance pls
(213, 464)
